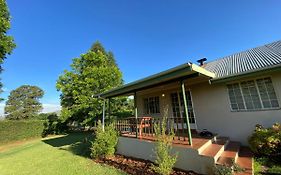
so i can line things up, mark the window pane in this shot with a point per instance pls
(235, 97)
(250, 94)
(157, 105)
(175, 105)
(267, 93)
(266, 104)
(234, 106)
(146, 111)
(274, 103)
(241, 106)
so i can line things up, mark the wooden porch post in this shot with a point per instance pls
(109, 109)
(186, 113)
(103, 114)
(136, 112)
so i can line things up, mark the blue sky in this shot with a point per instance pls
(146, 36)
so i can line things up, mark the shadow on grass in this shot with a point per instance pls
(78, 143)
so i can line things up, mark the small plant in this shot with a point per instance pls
(221, 170)
(105, 142)
(164, 160)
(266, 141)
(227, 170)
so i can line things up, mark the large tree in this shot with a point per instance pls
(23, 102)
(92, 73)
(6, 42)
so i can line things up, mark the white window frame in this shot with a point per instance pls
(258, 92)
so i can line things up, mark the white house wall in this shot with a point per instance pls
(212, 108)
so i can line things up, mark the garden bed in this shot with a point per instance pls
(136, 166)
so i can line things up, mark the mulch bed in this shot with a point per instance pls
(136, 166)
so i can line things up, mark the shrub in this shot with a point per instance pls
(105, 142)
(221, 170)
(12, 130)
(164, 160)
(266, 141)
(53, 125)
(227, 170)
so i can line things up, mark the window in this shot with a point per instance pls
(252, 95)
(178, 110)
(151, 105)
(267, 93)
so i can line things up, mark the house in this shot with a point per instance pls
(227, 97)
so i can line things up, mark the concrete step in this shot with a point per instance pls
(230, 154)
(204, 146)
(215, 149)
(245, 161)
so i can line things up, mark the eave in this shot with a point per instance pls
(181, 72)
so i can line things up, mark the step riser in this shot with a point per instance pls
(216, 157)
(203, 147)
(236, 156)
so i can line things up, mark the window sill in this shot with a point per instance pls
(256, 110)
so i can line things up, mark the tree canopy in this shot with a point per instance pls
(6, 42)
(23, 102)
(92, 73)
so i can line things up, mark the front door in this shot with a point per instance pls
(178, 108)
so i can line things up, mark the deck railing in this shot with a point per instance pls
(144, 127)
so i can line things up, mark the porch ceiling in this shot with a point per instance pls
(181, 72)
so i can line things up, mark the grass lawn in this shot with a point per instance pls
(64, 155)
(267, 166)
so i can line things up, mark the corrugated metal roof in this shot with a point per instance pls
(246, 61)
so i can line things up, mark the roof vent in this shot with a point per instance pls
(201, 61)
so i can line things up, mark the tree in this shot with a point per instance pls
(92, 73)
(23, 102)
(6, 42)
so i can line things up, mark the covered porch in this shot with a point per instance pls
(141, 126)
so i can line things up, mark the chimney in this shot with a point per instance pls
(201, 61)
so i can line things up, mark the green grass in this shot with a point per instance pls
(55, 156)
(267, 166)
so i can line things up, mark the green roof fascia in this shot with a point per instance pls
(248, 74)
(167, 75)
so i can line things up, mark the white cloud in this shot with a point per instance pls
(51, 108)
(4, 89)
(2, 105)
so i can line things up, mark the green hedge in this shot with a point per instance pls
(19, 130)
